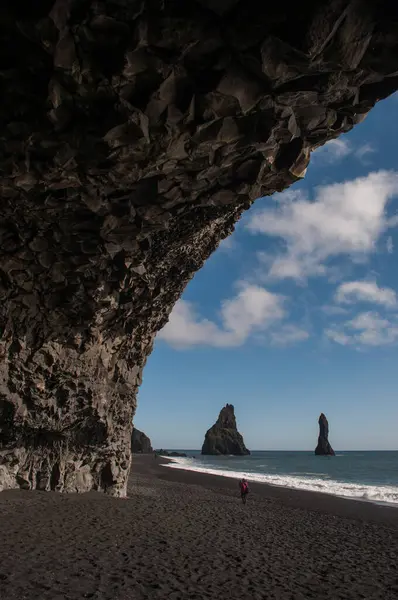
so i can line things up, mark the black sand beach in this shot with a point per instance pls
(184, 535)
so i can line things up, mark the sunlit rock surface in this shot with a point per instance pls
(223, 437)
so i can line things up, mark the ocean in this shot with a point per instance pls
(369, 476)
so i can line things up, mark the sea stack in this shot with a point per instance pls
(224, 437)
(323, 448)
(140, 443)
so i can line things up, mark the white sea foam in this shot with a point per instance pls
(371, 493)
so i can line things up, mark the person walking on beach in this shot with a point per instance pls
(244, 489)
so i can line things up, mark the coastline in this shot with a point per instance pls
(173, 462)
(183, 535)
(290, 497)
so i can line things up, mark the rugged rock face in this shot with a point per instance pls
(133, 135)
(224, 437)
(140, 443)
(324, 448)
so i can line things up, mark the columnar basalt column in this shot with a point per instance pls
(133, 135)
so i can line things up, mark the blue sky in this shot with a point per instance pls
(295, 314)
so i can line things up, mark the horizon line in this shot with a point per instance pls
(274, 450)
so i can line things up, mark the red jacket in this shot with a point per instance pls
(244, 487)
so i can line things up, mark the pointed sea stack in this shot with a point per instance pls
(140, 443)
(323, 448)
(224, 437)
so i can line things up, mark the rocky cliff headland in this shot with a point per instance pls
(140, 443)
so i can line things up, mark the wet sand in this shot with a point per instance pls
(183, 535)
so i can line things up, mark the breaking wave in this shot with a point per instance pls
(354, 491)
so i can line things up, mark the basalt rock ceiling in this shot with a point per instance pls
(133, 135)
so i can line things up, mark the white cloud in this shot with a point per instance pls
(185, 328)
(227, 245)
(363, 152)
(366, 329)
(333, 151)
(390, 245)
(336, 150)
(338, 336)
(365, 291)
(288, 334)
(368, 320)
(252, 310)
(344, 219)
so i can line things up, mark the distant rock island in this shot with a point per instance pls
(171, 454)
(324, 448)
(140, 443)
(224, 437)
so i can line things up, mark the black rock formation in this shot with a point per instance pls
(133, 136)
(171, 454)
(324, 448)
(140, 443)
(224, 437)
